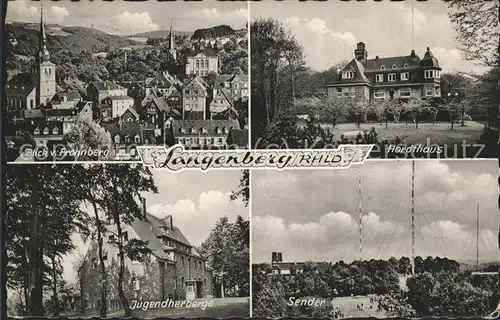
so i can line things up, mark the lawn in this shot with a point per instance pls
(348, 306)
(439, 133)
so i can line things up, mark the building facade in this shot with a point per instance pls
(202, 62)
(172, 270)
(199, 134)
(195, 100)
(399, 77)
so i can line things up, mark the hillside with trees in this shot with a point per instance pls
(438, 288)
(213, 32)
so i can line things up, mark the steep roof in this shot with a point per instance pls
(161, 104)
(20, 84)
(210, 125)
(125, 128)
(152, 229)
(117, 98)
(134, 113)
(71, 95)
(106, 85)
(61, 112)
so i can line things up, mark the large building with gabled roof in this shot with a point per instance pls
(398, 77)
(173, 270)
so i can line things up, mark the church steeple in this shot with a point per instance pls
(44, 54)
(172, 43)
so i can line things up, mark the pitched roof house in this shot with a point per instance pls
(400, 77)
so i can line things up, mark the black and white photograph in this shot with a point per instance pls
(90, 81)
(120, 240)
(415, 78)
(389, 239)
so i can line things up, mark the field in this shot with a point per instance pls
(439, 133)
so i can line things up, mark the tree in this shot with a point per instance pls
(43, 198)
(227, 251)
(124, 184)
(395, 108)
(322, 105)
(414, 107)
(359, 108)
(379, 108)
(87, 135)
(244, 188)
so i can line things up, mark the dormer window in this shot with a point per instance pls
(379, 78)
(37, 131)
(406, 65)
(193, 130)
(203, 130)
(219, 130)
(226, 130)
(46, 131)
(392, 77)
(183, 130)
(382, 67)
(137, 138)
(55, 130)
(405, 76)
(347, 74)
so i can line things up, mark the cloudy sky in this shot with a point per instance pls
(312, 215)
(196, 201)
(329, 31)
(125, 18)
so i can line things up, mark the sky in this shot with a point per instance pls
(126, 18)
(196, 201)
(329, 31)
(313, 215)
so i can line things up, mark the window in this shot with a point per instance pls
(379, 78)
(219, 130)
(405, 76)
(379, 94)
(350, 92)
(204, 130)
(405, 93)
(382, 67)
(347, 74)
(137, 139)
(46, 131)
(117, 139)
(406, 65)
(429, 91)
(175, 284)
(125, 236)
(430, 74)
(437, 91)
(37, 131)
(193, 130)
(112, 237)
(392, 77)
(55, 130)
(137, 284)
(394, 66)
(339, 92)
(31, 103)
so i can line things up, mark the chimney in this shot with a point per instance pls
(412, 53)
(280, 257)
(144, 212)
(169, 222)
(274, 255)
(376, 57)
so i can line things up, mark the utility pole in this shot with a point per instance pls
(413, 217)
(360, 222)
(477, 236)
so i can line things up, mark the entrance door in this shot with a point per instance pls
(190, 291)
(391, 94)
(199, 289)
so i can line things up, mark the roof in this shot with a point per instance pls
(199, 81)
(70, 95)
(161, 104)
(288, 265)
(206, 51)
(82, 104)
(132, 110)
(20, 84)
(152, 229)
(210, 125)
(33, 114)
(106, 85)
(61, 112)
(221, 78)
(126, 128)
(239, 137)
(117, 98)
(372, 65)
